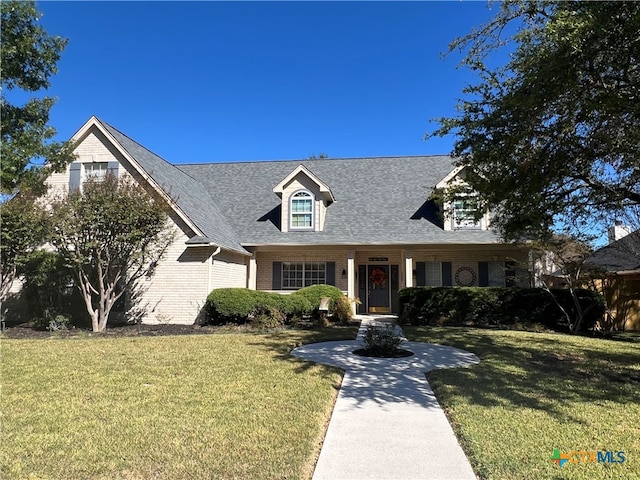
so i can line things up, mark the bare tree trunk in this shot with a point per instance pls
(87, 292)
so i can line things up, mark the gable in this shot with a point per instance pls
(305, 178)
(186, 196)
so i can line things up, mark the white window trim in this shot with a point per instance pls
(86, 175)
(304, 272)
(291, 212)
(466, 225)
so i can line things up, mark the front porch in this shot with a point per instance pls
(374, 275)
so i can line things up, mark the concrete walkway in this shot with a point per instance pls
(387, 423)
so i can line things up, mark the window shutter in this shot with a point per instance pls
(483, 274)
(510, 274)
(74, 176)
(446, 274)
(331, 273)
(362, 288)
(421, 274)
(277, 276)
(112, 168)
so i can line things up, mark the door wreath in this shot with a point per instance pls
(378, 277)
(465, 277)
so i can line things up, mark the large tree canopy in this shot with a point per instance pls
(553, 136)
(28, 59)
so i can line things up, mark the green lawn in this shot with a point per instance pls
(236, 405)
(536, 392)
(170, 407)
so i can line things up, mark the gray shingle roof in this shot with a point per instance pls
(189, 194)
(378, 201)
(620, 256)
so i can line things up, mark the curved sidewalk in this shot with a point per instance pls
(387, 423)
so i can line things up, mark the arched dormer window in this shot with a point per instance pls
(301, 211)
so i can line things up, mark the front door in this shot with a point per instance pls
(379, 289)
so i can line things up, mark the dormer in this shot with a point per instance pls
(459, 213)
(305, 199)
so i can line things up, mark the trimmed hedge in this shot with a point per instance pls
(315, 293)
(241, 305)
(487, 306)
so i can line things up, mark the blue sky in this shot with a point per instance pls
(235, 81)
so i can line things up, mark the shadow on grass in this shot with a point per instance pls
(282, 342)
(385, 381)
(537, 371)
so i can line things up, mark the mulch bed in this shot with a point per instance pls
(399, 353)
(26, 331)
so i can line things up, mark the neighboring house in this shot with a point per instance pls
(366, 225)
(618, 266)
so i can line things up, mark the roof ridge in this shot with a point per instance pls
(312, 160)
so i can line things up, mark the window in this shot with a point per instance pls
(86, 168)
(302, 274)
(496, 274)
(464, 211)
(95, 170)
(501, 274)
(433, 274)
(302, 210)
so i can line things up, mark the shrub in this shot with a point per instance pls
(342, 312)
(241, 305)
(46, 288)
(315, 293)
(231, 305)
(382, 341)
(487, 306)
(292, 306)
(268, 317)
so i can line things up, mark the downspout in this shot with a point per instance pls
(210, 279)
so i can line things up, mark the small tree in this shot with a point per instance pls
(112, 233)
(560, 264)
(23, 226)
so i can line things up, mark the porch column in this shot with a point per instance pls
(351, 278)
(252, 281)
(408, 269)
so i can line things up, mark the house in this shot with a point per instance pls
(366, 225)
(617, 268)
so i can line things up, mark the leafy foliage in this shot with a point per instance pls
(268, 309)
(553, 135)
(382, 341)
(23, 228)
(342, 309)
(262, 309)
(315, 293)
(112, 234)
(28, 58)
(46, 287)
(489, 306)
